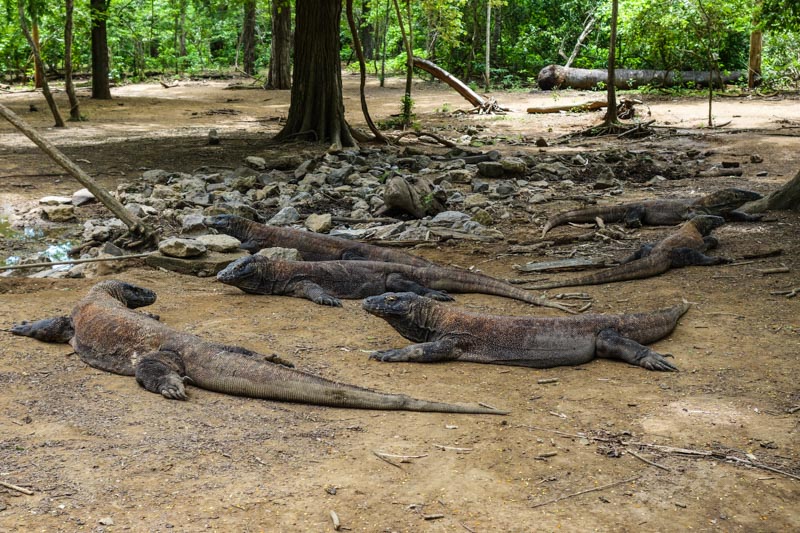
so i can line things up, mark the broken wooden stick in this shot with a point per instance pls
(75, 261)
(651, 463)
(135, 225)
(17, 488)
(777, 270)
(594, 489)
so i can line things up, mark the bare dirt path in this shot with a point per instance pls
(100, 453)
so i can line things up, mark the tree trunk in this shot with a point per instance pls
(611, 113)
(487, 77)
(442, 75)
(365, 32)
(555, 76)
(362, 67)
(316, 111)
(100, 86)
(38, 71)
(37, 58)
(249, 37)
(74, 108)
(786, 198)
(754, 67)
(407, 101)
(280, 67)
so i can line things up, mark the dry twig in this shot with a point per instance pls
(595, 489)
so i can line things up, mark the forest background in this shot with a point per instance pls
(201, 37)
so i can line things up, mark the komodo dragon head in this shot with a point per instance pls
(404, 311)
(245, 273)
(129, 294)
(728, 199)
(705, 224)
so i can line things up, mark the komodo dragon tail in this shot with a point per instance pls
(230, 373)
(613, 213)
(646, 267)
(465, 281)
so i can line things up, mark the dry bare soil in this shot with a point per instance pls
(99, 453)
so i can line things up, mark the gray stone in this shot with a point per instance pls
(556, 169)
(305, 167)
(579, 160)
(55, 200)
(351, 233)
(164, 192)
(185, 248)
(244, 183)
(156, 175)
(205, 266)
(219, 243)
(505, 188)
(460, 175)
(514, 165)
(605, 182)
(449, 218)
(319, 223)
(255, 162)
(58, 213)
(284, 217)
(82, 197)
(310, 181)
(479, 186)
(213, 137)
(282, 254)
(490, 169)
(475, 200)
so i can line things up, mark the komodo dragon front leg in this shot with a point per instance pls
(315, 293)
(612, 345)
(425, 352)
(397, 283)
(162, 372)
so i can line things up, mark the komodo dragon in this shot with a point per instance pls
(312, 246)
(107, 334)
(683, 248)
(721, 203)
(324, 282)
(448, 334)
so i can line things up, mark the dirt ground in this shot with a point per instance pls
(101, 454)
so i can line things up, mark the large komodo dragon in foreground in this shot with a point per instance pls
(324, 282)
(723, 203)
(683, 248)
(312, 246)
(107, 334)
(448, 334)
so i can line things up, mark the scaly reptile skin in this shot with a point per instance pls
(111, 336)
(445, 333)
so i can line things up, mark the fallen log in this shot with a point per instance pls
(556, 76)
(586, 106)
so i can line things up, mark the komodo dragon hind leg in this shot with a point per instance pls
(739, 216)
(643, 251)
(162, 372)
(397, 283)
(315, 293)
(272, 358)
(710, 242)
(682, 257)
(352, 255)
(58, 329)
(612, 345)
(426, 352)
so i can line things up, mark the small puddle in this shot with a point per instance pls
(54, 252)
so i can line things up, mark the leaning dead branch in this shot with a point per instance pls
(135, 225)
(651, 463)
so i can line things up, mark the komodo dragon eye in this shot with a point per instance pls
(391, 298)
